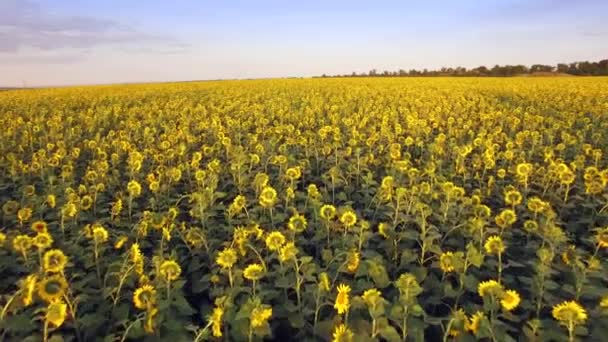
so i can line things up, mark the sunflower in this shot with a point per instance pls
(43, 240)
(24, 214)
(569, 312)
(510, 300)
(100, 234)
(602, 237)
(474, 322)
(446, 262)
(56, 313)
(21, 244)
(327, 212)
(2, 239)
(216, 321)
(494, 245)
(151, 314)
(324, 282)
(275, 240)
(506, 218)
(342, 334)
(348, 218)
(170, 270)
(144, 297)
(120, 242)
(372, 298)
(134, 189)
(513, 197)
(260, 315)
(226, 258)
(342, 301)
(293, 173)
(297, 223)
(384, 229)
(288, 252)
(490, 287)
(51, 201)
(39, 226)
(54, 261)
(253, 272)
(353, 259)
(28, 287)
(86, 202)
(268, 197)
(52, 289)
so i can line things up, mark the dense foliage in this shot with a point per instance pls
(584, 68)
(334, 209)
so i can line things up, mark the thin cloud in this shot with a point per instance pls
(25, 24)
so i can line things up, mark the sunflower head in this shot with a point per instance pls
(342, 334)
(490, 288)
(569, 312)
(170, 270)
(446, 262)
(275, 240)
(253, 272)
(510, 300)
(54, 261)
(43, 240)
(297, 223)
(327, 212)
(226, 258)
(39, 226)
(348, 218)
(52, 289)
(144, 297)
(342, 301)
(56, 314)
(494, 245)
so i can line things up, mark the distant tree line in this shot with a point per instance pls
(577, 68)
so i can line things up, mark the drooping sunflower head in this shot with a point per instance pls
(288, 252)
(54, 261)
(170, 270)
(372, 297)
(474, 322)
(56, 313)
(144, 297)
(52, 289)
(352, 261)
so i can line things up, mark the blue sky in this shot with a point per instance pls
(59, 42)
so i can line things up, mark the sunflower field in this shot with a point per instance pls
(376, 209)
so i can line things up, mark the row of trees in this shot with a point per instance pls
(577, 68)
